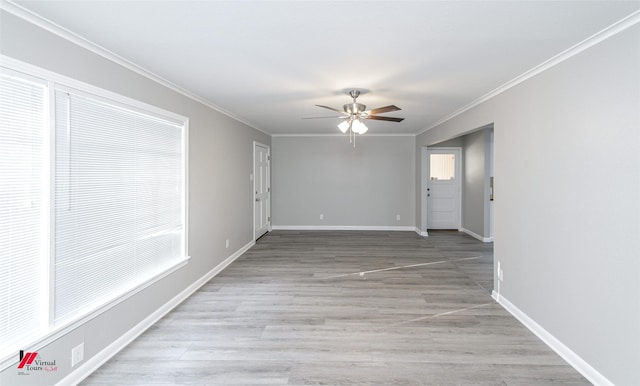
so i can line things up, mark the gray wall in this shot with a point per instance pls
(363, 186)
(567, 170)
(476, 154)
(220, 192)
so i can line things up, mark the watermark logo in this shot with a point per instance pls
(26, 359)
(29, 362)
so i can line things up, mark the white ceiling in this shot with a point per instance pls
(268, 63)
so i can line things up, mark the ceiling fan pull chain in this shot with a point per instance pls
(354, 138)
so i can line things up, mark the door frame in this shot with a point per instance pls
(425, 184)
(253, 186)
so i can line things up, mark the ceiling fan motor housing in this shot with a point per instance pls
(354, 108)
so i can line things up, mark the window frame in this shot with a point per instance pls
(53, 82)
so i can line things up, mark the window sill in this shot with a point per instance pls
(11, 358)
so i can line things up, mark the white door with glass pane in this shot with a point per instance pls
(262, 189)
(443, 188)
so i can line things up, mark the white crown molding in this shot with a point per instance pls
(584, 368)
(78, 40)
(56, 29)
(344, 135)
(594, 39)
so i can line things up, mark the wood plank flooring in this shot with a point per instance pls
(344, 308)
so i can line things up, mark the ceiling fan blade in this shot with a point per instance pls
(384, 109)
(335, 116)
(379, 118)
(331, 108)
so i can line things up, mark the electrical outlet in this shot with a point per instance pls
(226, 244)
(77, 354)
(397, 217)
(321, 216)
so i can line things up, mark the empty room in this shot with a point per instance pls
(319, 192)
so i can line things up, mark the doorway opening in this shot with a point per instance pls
(477, 193)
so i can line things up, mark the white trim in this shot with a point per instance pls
(64, 33)
(421, 233)
(343, 228)
(111, 350)
(185, 192)
(477, 236)
(554, 343)
(343, 135)
(574, 50)
(74, 38)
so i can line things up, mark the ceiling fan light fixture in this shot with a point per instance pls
(343, 126)
(358, 127)
(363, 128)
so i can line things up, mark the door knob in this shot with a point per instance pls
(428, 194)
(257, 199)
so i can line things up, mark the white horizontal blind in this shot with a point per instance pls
(119, 185)
(23, 210)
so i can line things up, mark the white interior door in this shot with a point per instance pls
(262, 189)
(443, 188)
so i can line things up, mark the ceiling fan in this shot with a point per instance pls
(354, 113)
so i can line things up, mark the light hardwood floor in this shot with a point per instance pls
(335, 308)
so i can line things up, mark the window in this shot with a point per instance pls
(118, 200)
(23, 208)
(442, 166)
(99, 218)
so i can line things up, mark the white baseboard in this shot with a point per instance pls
(341, 228)
(93, 363)
(421, 233)
(556, 345)
(477, 236)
